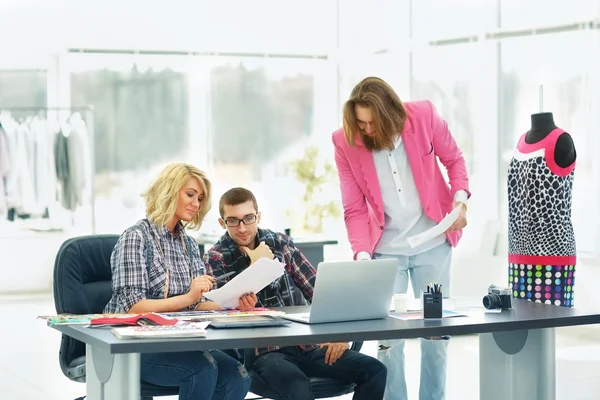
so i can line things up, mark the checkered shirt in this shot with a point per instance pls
(133, 280)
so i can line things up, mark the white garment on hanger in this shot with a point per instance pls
(4, 170)
(24, 191)
(79, 158)
(44, 168)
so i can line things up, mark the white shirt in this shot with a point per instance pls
(404, 216)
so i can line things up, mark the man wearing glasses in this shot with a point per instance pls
(285, 369)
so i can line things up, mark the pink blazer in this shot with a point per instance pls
(425, 136)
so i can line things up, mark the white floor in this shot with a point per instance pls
(29, 359)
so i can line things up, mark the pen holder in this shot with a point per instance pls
(432, 305)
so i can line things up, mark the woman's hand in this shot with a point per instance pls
(199, 286)
(461, 221)
(247, 302)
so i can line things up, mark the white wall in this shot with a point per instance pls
(198, 25)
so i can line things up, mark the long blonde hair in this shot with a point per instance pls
(386, 107)
(163, 194)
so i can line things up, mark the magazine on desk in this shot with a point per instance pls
(109, 319)
(194, 316)
(185, 330)
(74, 319)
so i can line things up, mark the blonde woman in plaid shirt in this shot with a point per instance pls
(156, 267)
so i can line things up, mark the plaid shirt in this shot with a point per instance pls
(133, 280)
(294, 288)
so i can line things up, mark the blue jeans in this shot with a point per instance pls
(200, 375)
(287, 371)
(428, 267)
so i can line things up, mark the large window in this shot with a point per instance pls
(243, 120)
(257, 113)
(22, 88)
(140, 122)
(140, 114)
(265, 114)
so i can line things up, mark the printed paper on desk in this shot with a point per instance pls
(439, 229)
(252, 279)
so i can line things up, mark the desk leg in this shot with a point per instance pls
(517, 365)
(112, 376)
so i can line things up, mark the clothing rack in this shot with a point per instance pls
(88, 115)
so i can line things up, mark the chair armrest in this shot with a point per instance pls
(248, 357)
(76, 369)
(356, 346)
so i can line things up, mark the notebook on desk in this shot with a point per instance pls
(350, 291)
(189, 330)
(248, 322)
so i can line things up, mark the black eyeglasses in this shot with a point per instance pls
(248, 220)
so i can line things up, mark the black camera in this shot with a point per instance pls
(498, 297)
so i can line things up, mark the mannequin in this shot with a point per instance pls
(542, 252)
(541, 125)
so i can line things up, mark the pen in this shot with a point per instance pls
(434, 288)
(222, 277)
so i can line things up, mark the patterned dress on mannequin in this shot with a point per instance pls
(541, 241)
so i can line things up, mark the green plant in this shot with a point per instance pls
(316, 177)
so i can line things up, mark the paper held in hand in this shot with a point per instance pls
(253, 279)
(439, 229)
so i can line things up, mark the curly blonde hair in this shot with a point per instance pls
(163, 194)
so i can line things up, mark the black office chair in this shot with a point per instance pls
(82, 285)
(322, 388)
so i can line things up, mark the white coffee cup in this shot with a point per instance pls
(401, 302)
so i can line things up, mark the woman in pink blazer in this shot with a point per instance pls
(392, 189)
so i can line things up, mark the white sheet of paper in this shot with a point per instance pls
(253, 279)
(437, 230)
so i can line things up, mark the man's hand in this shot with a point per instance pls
(262, 250)
(247, 302)
(334, 351)
(461, 221)
(199, 286)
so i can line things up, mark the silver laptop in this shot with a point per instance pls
(350, 291)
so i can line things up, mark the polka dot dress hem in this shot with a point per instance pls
(548, 284)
